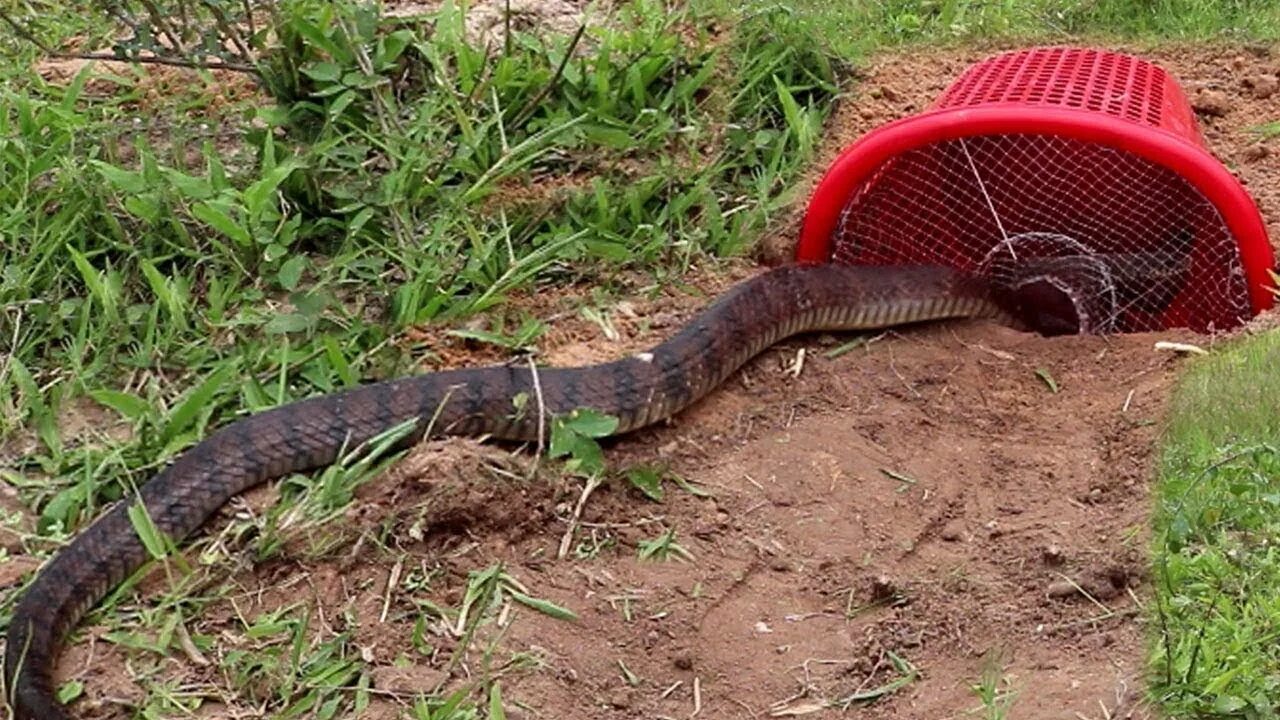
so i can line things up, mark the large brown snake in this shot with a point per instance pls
(639, 390)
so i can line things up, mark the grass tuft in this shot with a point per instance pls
(1217, 524)
(400, 175)
(857, 28)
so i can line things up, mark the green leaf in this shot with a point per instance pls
(197, 400)
(69, 691)
(613, 138)
(326, 72)
(124, 180)
(222, 222)
(291, 271)
(25, 382)
(543, 606)
(340, 104)
(591, 423)
(648, 481)
(316, 36)
(562, 440)
(62, 507)
(391, 46)
(791, 111)
(338, 361)
(287, 323)
(152, 538)
(495, 703)
(689, 487)
(97, 287)
(311, 304)
(1229, 705)
(143, 206)
(194, 188)
(165, 293)
(257, 194)
(1047, 379)
(127, 404)
(484, 336)
(587, 455)
(274, 251)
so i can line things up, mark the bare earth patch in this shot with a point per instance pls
(882, 526)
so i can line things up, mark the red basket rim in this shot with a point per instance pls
(1190, 161)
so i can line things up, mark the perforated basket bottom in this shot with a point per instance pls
(1137, 246)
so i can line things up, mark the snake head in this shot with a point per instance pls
(1047, 307)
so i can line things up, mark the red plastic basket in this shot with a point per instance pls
(1049, 152)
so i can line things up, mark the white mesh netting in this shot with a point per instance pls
(1098, 239)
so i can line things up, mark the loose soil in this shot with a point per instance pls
(948, 499)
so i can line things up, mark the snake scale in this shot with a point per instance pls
(639, 390)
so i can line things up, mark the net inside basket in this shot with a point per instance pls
(1092, 238)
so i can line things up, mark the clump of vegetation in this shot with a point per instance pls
(1217, 523)
(397, 173)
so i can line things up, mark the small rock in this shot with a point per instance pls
(1122, 576)
(1262, 86)
(683, 662)
(1053, 555)
(411, 680)
(1060, 590)
(888, 93)
(1254, 153)
(775, 249)
(705, 531)
(780, 565)
(883, 588)
(1214, 103)
(663, 319)
(952, 532)
(620, 698)
(1099, 587)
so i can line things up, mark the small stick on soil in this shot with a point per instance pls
(797, 365)
(542, 417)
(1092, 620)
(189, 647)
(905, 384)
(392, 580)
(1106, 610)
(593, 482)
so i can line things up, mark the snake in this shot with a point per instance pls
(505, 402)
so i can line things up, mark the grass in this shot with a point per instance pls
(994, 689)
(856, 28)
(1217, 523)
(361, 206)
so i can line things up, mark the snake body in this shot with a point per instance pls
(639, 390)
